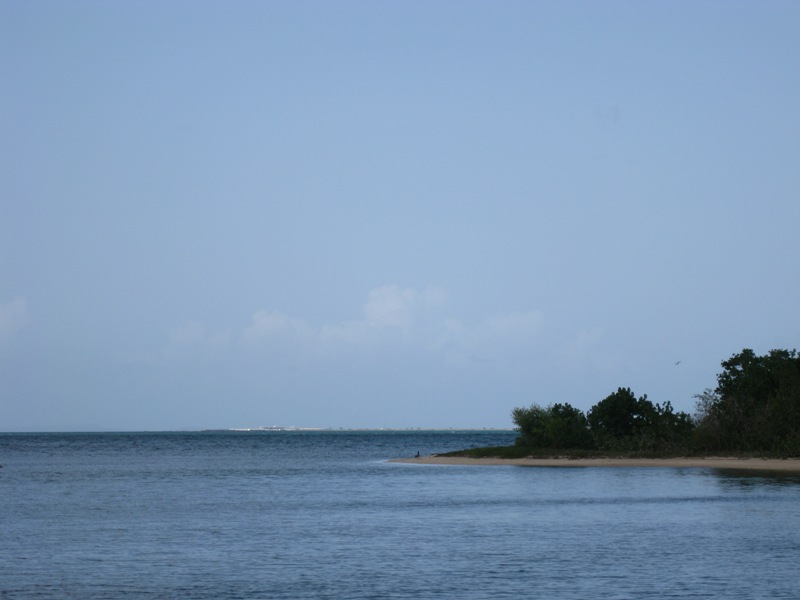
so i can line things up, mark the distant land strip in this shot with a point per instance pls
(721, 462)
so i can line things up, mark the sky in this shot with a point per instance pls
(388, 214)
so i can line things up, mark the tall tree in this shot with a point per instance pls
(619, 415)
(758, 402)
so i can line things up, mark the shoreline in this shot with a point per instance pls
(787, 465)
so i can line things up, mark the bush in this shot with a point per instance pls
(623, 422)
(557, 426)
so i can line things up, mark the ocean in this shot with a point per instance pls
(323, 514)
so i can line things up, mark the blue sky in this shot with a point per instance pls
(388, 214)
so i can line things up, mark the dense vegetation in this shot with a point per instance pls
(755, 409)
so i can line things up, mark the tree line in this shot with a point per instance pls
(755, 408)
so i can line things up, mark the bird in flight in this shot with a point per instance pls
(677, 363)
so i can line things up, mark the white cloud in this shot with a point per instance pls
(388, 311)
(417, 318)
(13, 316)
(391, 306)
(271, 324)
(352, 333)
(393, 317)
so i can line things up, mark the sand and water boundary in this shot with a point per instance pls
(791, 465)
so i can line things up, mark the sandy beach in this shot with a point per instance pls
(750, 464)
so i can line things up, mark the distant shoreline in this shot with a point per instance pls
(790, 465)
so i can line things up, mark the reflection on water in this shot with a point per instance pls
(757, 479)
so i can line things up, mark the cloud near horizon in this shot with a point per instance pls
(391, 313)
(266, 324)
(393, 317)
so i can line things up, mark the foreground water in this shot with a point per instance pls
(324, 515)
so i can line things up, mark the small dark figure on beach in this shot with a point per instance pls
(417, 456)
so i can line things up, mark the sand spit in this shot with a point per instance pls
(750, 464)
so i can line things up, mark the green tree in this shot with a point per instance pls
(557, 426)
(530, 422)
(757, 405)
(669, 431)
(621, 421)
(707, 432)
(618, 415)
(569, 427)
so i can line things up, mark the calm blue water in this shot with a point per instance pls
(323, 515)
